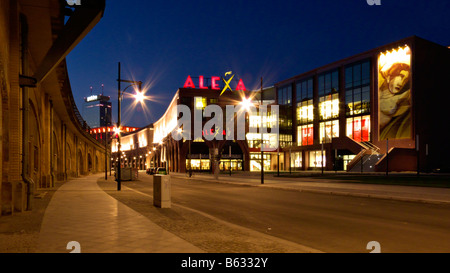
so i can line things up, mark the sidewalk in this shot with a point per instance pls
(81, 211)
(332, 186)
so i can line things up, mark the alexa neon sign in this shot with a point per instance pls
(189, 83)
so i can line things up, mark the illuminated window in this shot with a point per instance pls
(200, 103)
(142, 140)
(285, 140)
(305, 113)
(328, 89)
(329, 107)
(296, 160)
(329, 130)
(347, 159)
(305, 135)
(254, 140)
(198, 164)
(255, 162)
(316, 158)
(358, 128)
(268, 120)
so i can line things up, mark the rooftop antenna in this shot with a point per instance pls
(91, 90)
(102, 88)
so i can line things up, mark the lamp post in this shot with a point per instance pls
(120, 92)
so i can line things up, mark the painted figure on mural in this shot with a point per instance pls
(395, 102)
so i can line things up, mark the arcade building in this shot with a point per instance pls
(380, 110)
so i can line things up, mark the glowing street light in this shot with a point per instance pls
(246, 103)
(139, 96)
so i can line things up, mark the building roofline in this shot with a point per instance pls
(365, 54)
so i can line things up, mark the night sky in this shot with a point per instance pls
(162, 42)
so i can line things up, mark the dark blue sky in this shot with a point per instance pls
(162, 42)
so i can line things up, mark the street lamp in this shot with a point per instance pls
(138, 97)
(246, 103)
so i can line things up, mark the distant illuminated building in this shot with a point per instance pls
(99, 132)
(97, 111)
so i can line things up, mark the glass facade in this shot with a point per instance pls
(357, 88)
(285, 115)
(357, 100)
(328, 88)
(285, 95)
(305, 112)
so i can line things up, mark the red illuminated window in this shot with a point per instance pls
(358, 128)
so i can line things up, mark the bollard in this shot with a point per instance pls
(161, 191)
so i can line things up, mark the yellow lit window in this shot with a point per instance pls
(305, 111)
(200, 103)
(329, 130)
(316, 158)
(329, 106)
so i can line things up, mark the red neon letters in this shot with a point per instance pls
(214, 83)
(189, 83)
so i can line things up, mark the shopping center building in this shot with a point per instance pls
(381, 109)
(155, 144)
(378, 110)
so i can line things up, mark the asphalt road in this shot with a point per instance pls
(320, 222)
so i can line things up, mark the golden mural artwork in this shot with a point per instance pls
(394, 90)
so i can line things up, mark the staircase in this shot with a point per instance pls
(366, 159)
